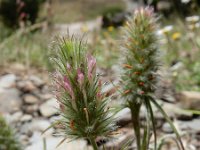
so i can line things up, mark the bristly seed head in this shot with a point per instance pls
(78, 90)
(140, 45)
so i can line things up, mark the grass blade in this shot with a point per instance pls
(168, 120)
(153, 122)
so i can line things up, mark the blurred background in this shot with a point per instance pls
(28, 29)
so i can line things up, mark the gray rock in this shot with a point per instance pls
(30, 99)
(7, 81)
(16, 116)
(189, 100)
(36, 137)
(36, 125)
(45, 89)
(123, 117)
(166, 128)
(26, 117)
(177, 67)
(55, 118)
(46, 96)
(40, 124)
(52, 142)
(26, 129)
(49, 108)
(30, 109)
(36, 81)
(10, 100)
(172, 111)
(124, 136)
(26, 86)
(24, 139)
(193, 125)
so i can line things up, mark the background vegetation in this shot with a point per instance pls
(180, 45)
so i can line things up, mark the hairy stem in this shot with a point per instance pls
(93, 143)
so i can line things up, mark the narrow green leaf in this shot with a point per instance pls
(61, 142)
(52, 125)
(196, 112)
(153, 123)
(125, 146)
(169, 121)
(144, 141)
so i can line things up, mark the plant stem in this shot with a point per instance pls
(44, 144)
(135, 111)
(93, 143)
(150, 112)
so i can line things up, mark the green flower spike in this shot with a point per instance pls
(139, 77)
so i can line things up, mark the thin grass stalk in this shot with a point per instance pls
(146, 137)
(93, 143)
(169, 121)
(148, 105)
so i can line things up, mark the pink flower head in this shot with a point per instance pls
(80, 77)
(149, 11)
(100, 84)
(58, 84)
(57, 80)
(57, 95)
(68, 66)
(22, 4)
(91, 65)
(62, 107)
(68, 87)
(99, 95)
(22, 16)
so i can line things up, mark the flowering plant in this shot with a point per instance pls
(78, 91)
(140, 73)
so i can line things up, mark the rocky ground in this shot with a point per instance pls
(29, 106)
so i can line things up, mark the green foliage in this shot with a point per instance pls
(13, 11)
(114, 16)
(26, 48)
(78, 90)
(5, 32)
(7, 137)
(112, 10)
(185, 9)
(181, 48)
